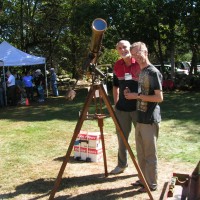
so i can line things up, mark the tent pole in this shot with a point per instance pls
(46, 80)
(4, 84)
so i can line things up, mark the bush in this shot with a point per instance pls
(187, 82)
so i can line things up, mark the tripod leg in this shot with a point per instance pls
(100, 123)
(112, 113)
(76, 132)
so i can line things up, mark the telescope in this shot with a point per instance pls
(98, 28)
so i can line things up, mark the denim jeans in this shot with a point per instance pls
(41, 92)
(55, 89)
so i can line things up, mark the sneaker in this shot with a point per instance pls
(138, 183)
(143, 189)
(118, 170)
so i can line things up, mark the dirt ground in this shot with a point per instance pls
(88, 181)
(82, 180)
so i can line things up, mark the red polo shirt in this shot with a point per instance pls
(120, 69)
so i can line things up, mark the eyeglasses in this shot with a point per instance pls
(138, 52)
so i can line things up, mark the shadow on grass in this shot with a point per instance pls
(53, 108)
(184, 106)
(116, 193)
(181, 106)
(42, 188)
(71, 159)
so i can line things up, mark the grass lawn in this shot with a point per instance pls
(34, 139)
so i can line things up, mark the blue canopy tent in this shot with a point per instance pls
(11, 56)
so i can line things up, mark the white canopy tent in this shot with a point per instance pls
(11, 56)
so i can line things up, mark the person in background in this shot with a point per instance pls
(54, 84)
(28, 84)
(148, 97)
(12, 98)
(39, 81)
(126, 74)
(20, 91)
(16, 74)
(2, 92)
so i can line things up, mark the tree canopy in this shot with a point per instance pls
(60, 30)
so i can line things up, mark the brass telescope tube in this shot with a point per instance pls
(98, 28)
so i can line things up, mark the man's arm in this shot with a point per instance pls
(9, 80)
(115, 94)
(157, 97)
(115, 89)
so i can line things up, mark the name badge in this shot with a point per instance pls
(128, 76)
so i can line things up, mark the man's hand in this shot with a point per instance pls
(129, 95)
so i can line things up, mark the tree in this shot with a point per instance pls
(191, 20)
(60, 30)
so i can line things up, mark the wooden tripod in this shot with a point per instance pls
(103, 95)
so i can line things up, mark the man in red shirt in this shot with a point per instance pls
(126, 74)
